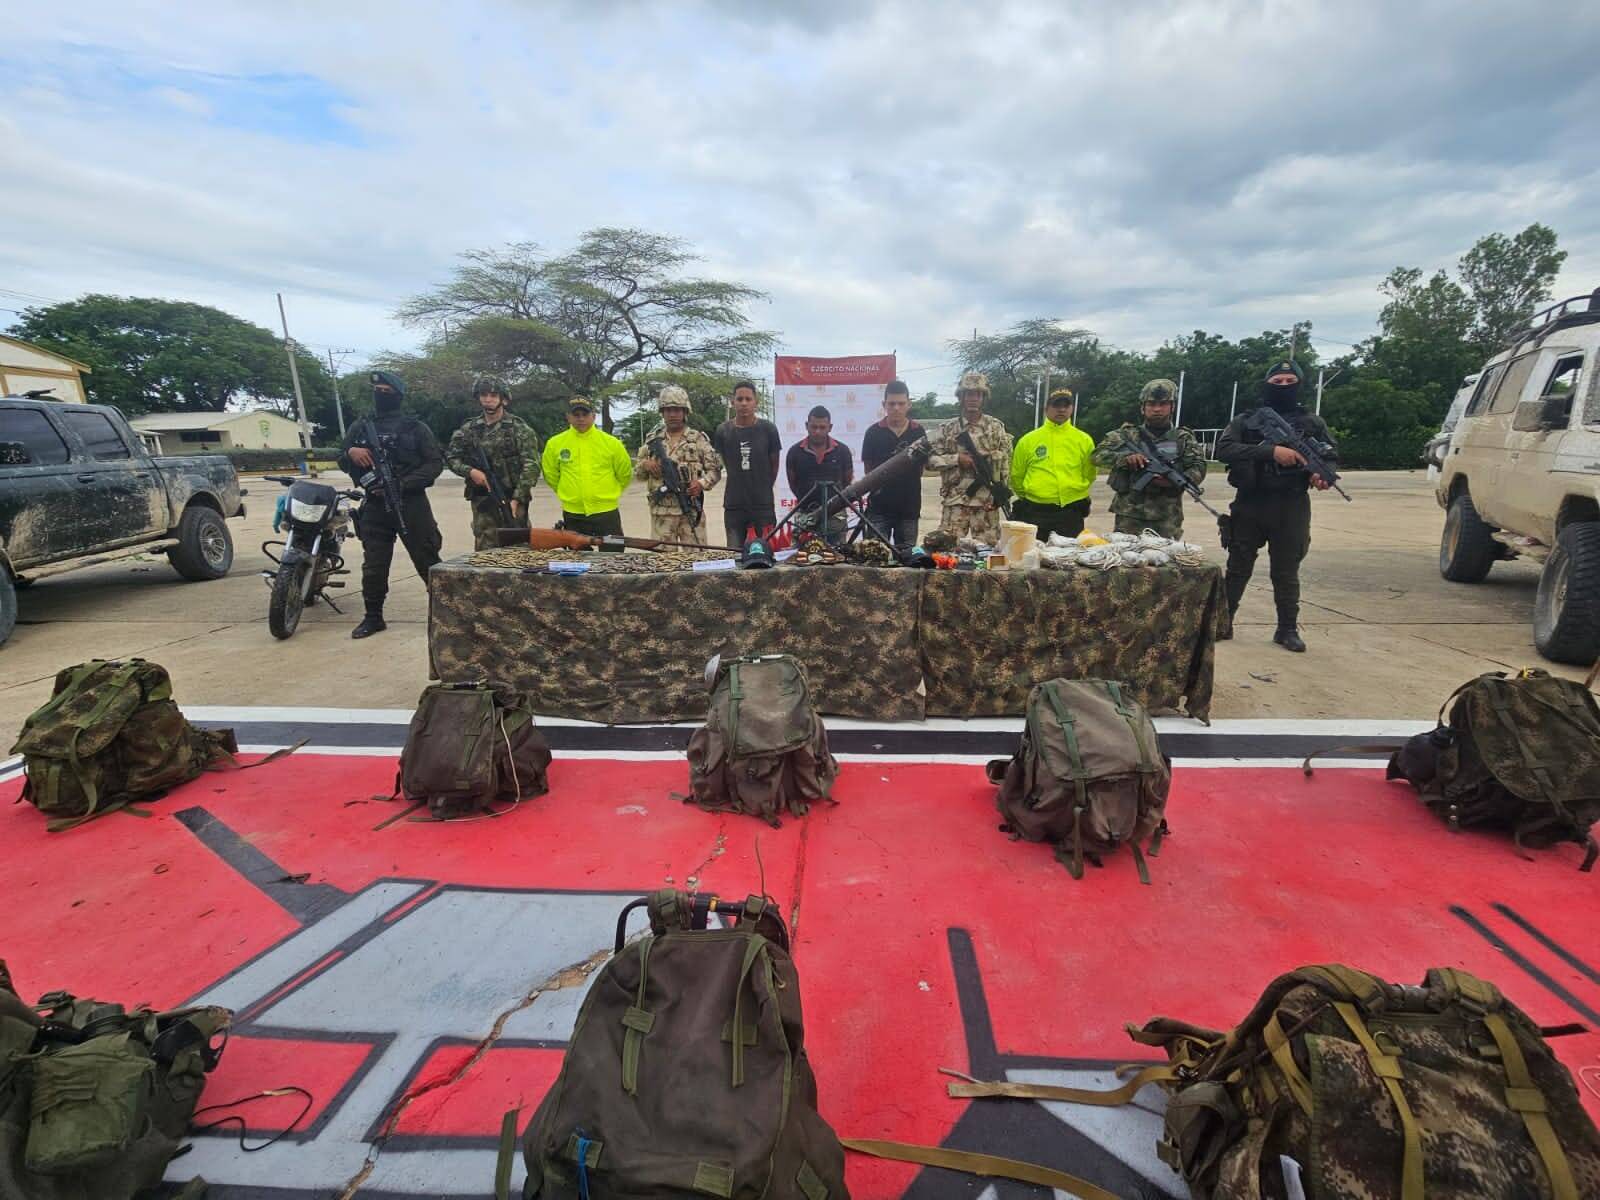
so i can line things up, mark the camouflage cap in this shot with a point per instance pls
(1162, 391)
(973, 381)
(1286, 368)
(673, 396)
(490, 385)
(1062, 395)
(578, 402)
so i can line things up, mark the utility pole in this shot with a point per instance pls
(1038, 388)
(1320, 371)
(1294, 336)
(1234, 403)
(338, 403)
(1177, 417)
(294, 376)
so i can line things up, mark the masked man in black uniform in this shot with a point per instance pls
(416, 461)
(1273, 507)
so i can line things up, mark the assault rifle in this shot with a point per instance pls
(502, 505)
(1159, 466)
(388, 486)
(985, 475)
(567, 539)
(1278, 432)
(673, 484)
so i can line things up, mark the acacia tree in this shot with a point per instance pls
(585, 322)
(1508, 278)
(1015, 359)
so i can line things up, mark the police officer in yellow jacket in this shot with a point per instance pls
(1051, 471)
(588, 468)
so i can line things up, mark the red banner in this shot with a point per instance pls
(792, 371)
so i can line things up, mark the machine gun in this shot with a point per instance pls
(1159, 466)
(502, 505)
(985, 475)
(673, 483)
(382, 475)
(1275, 430)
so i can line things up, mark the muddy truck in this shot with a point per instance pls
(76, 485)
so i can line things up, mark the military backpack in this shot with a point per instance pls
(763, 749)
(686, 1076)
(1518, 753)
(95, 1099)
(1089, 776)
(110, 736)
(470, 748)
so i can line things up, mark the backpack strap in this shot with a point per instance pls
(1387, 1068)
(1134, 725)
(753, 952)
(989, 1166)
(985, 1089)
(735, 694)
(1524, 1097)
(637, 1021)
(1078, 775)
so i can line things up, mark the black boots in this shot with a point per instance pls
(1290, 639)
(373, 623)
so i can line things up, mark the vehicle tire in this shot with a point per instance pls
(288, 599)
(205, 547)
(1466, 548)
(1566, 610)
(8, 605)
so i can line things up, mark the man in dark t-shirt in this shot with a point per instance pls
(896, 507)
(819, 459)
(749, 446)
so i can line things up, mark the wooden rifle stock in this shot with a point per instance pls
(566, 539)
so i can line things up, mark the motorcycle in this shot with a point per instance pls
(317, 520)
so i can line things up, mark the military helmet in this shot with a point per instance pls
(486, 385)
(673, 396)
(1161, 391)
(973, 381)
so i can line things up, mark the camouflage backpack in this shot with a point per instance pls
(470, 748)
(1519, 753)
(763, 749)
(1357, 1087)
(1089, 775)
(686, 1075)
(94, 1099)
(111, 736)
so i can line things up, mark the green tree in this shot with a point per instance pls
(1507, 279)
(1422, 345)
(1016, 361)
(620, 303)
(149, 355)
(1377, 425)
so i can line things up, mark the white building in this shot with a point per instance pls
(25, 367)
(213, 432)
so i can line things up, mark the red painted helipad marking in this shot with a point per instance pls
(1264, 871)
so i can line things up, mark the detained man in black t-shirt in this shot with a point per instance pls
(749, 446)
(819, 459)
(896, 507)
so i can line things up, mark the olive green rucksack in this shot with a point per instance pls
(469, 748)
(110, 736)
(94, 1099)
(763, 749)
(686, 1076)
(1089, 776)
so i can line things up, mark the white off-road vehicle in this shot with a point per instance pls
(1521, 475)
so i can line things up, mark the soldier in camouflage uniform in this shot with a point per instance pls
(1160, 505)
(512, 449)
(976, 515)
(698, 463)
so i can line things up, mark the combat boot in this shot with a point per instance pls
(1290, 639)
(373, 623)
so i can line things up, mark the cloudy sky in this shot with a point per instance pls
(892, 174)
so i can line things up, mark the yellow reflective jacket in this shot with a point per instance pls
(1053, 464)
(588, 470)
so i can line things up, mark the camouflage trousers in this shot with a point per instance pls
(675, 527)
(1168, 527)
(1159, 508)
(971, 521)
(485, 520)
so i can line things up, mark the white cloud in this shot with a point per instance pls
(894, 174)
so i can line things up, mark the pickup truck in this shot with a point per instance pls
(76, 481)
(1520, 476)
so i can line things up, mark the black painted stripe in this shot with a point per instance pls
(1533, 971)
(887, 741)
(1549, 943)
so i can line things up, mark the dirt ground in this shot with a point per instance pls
(1387, 637)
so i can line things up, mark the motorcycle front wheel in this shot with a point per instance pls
(288, 598)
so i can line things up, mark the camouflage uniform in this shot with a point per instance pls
(1159, 506)
(696, 459)
(962, 515)
(512, 448)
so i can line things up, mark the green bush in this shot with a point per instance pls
(1378, 426)
(279, 460)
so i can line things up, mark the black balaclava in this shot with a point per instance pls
(387, 403)
(1284, 397)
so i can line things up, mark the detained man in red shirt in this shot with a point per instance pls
(819, 459)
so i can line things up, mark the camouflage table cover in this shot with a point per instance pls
(988, 637)
(877, 644)
(625, 648)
